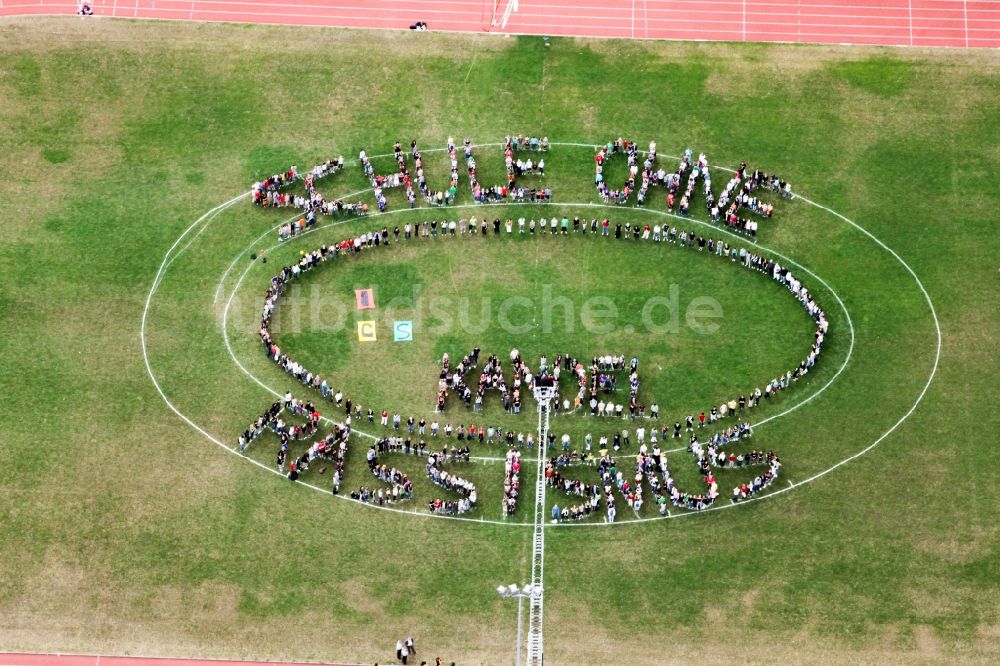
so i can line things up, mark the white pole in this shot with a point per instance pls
(535, 650)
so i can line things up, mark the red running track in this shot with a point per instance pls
(955, 23)
(19, 659)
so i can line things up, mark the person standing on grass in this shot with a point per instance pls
(411, 646)
(399, 650)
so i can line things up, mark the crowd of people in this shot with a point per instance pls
(492, 376)
(400, 485)
(533, 143)
(712, 455)
(593, 381)
(332, 447)
(508, 191)
(591, 494)
(739, 194)
(268, 194)
(271, 420)
(630, 151)
(601, 379)
(651, 469)
(516, 167)
(511, 481)
(451, 482)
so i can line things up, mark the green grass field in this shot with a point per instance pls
(125, 530)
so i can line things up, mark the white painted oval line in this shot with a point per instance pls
(164, 264)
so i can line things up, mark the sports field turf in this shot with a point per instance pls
(124, 530)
